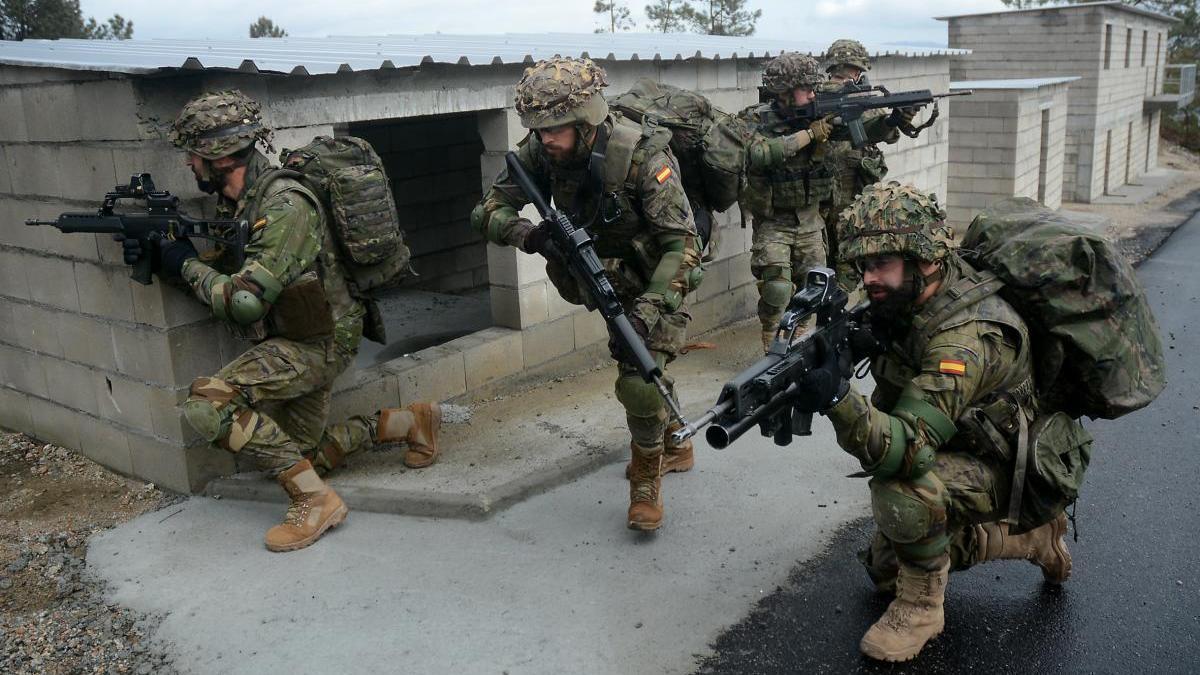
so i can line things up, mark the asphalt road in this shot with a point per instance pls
(1132, 604)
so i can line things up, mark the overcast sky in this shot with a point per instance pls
(872, 21)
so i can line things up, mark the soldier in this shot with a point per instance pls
(618, 180)
(846, 62)
(787, 178)
(938, 493)
(292, 298)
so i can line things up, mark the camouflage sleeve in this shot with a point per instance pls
(496, 216)
(668, 214)
(957, 367)
(284, 242)
(765, 152)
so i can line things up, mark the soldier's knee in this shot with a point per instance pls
(639, 398)
(212, 409)
(775, 286)
(902, 516)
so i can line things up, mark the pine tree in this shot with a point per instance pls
(667, 16)
(265, 27)
(723, 17)
(613, 13)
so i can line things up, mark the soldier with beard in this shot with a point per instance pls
(620, 182)
(937, 497)
(292, 297)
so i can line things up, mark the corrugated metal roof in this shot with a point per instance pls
(1115, 4)
(1033, 83)
(316, 56)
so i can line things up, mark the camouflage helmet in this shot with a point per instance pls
(218, 124)
(847, 53)
(790, 70)
(560, 91)
(894, 219)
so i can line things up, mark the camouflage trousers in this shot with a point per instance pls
(271, 404)
(934, 515)
(646, 412)
(785, 246)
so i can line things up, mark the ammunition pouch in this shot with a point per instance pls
(302, 312)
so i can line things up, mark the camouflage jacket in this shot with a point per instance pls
(290, 239)
(641, 221)
(963, 364)
(781, 176)
(855, 168)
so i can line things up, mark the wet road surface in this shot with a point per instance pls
(1132, 604)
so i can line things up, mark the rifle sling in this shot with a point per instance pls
(594, 185)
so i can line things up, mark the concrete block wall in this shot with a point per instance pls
(1070, 41)
(96, 362)
(996, 148)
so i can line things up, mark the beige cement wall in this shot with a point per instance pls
(93, 361)
(996, 142)
(1071, 42)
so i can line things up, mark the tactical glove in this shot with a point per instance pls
(617, 351)
(536, 239)
(131, 248)
(172, 254)
(821, 129)
(828, 382)
(902, 117)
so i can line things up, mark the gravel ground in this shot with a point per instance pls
(53, 616)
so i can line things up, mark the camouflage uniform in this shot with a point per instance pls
(271, 403)
(925, 383)
(641, 220)
(854, 168)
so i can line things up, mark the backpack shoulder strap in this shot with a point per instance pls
(270, 184)
(972, 288)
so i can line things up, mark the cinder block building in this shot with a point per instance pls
(1117, 51)
(1008, 139)
(93, 361)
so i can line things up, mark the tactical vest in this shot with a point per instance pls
(803, 180)
(614, 217)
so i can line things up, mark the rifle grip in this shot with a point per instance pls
(142, 270)
(802, 423)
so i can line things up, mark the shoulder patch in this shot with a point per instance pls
(952, 367)
(663, 174)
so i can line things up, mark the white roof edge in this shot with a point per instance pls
(1115, 4)
(1032, 83)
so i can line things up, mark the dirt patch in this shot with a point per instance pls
(53, 617)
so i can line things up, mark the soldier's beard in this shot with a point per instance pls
(890, 303)
(208, 180)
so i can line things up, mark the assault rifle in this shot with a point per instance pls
(162, 220)
(850, 102)
(575, 248)
(775, 393)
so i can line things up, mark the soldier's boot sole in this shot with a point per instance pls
(336, 518)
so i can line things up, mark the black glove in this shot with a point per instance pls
(172, 253)
(617, 351)
(901, 117)
(828, 382)
(537, 239)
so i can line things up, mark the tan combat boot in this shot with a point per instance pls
(315, 508)
(675, 457)
(914, 617)
(417, 425)
(1044, 546)
(645, 490)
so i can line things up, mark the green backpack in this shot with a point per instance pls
(348, 177)
(1098, 352)
(708, 144)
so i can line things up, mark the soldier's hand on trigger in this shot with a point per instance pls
(820, 129)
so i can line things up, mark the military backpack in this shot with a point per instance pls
(347, 176)
(705, 141)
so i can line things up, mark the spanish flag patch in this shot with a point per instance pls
(663, 174)
(951, 367)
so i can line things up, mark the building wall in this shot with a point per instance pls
(93, 361)
(1071, 42)
(996, 148)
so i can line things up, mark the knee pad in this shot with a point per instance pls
(776, 288)
(900, 515)
(640, 398)
(211, 410)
